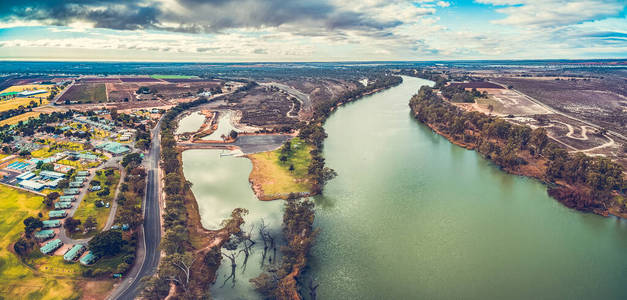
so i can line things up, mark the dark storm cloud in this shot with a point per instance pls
(195, 16)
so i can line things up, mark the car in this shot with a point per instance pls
(107, 205)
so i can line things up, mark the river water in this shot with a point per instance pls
(411, 216)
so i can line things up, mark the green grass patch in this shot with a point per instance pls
(19, 280)
(283, 177)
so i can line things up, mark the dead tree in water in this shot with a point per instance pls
(264, 238)
(273, 247)
(248, 243)
(313, 286)
(231, 257)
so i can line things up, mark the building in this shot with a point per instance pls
(113, 148)
(25, 176)
(51, 175)
(74, 252)
(31, 93)
(51, 246)
(75, 184)
(56, 214)
(82, 173)
(71, 191)
(43, 235)
(88, 259)
(51, 223)
(62, 205)
(80, 178)
(31, 185)
(67, 198)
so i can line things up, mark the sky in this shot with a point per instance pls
(311, 30)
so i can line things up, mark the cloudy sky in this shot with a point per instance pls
(311, 30)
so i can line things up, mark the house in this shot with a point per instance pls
(88, 259)
(56, 214)
(82, 173)
(67, 198)
(51, 246)
(71, 191)
(62, 205)
(75, 184)
(51, 223)
(80, 178)
(43, 235)
(74, 252)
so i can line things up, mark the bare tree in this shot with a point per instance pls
(313, 287)
(248, 243)
(232, 258)
(178, 269)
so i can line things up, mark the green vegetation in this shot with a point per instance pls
(93, 204)
(283, 171)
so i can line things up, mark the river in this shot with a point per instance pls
(411, 216)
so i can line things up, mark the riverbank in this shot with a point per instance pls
(588, 184)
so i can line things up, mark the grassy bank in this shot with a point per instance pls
(274, 178)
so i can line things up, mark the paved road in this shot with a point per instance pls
(150, 234)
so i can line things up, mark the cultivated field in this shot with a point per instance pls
(85, 93)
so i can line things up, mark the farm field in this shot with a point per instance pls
(19, 280)
(86, 93)
(172, 77)
(18, 118)
(275, 177)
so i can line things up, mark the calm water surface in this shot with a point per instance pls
(190, 123)
(220, 184)
(411, 216)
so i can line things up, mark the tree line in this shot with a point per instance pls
(577, 180)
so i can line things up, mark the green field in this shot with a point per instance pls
(88, 205)
(20, 281)
(156, 76)
(275, 176)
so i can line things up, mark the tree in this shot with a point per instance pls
(63, 183)
(90, 223)
(106, 243)
(71, 224)
(133, 158)
(233, 134)
(31, 224)
(23, 246)
(178, 268)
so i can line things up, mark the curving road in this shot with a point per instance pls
(149, 237)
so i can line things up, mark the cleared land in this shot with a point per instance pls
(172, 77)
(274, 177)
